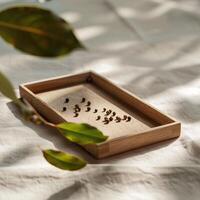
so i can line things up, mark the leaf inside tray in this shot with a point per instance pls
(81, 133)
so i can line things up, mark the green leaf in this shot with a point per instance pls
(63, 160)
(37, 31)
(81, 133)
(6, 88)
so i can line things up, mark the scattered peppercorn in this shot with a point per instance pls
(77, 110)
(83, 100)
(88, 109)
(95, 110)
(88, 103)
(66, 100)
(105, 119)
(113, 114)
(76, 115)
(125, 117)
(108, 112)
(106, 122)
(128, 119)
(118, 119)
(104, 109)
(98, 118)
(64, 109)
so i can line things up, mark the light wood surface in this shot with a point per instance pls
(99, 100)
(147, 124)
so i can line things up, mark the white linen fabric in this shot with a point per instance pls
(149, 47)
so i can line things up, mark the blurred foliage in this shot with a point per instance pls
(37, 31)
(40, 32)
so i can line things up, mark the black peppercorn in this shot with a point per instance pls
(64, 109)
(88, 103)
(128, 119)
(113, 114)
(104, 109)
(76, 110)
(106, 122)
(88, 109)
(108, 112)
(105, 119)
(118, 119)
(83, 100)
(111, 119)
(95, 111)
(98, 118)
(76, 115)
(66, 100)
(125, 117)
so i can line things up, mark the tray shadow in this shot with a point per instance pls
(61, 143)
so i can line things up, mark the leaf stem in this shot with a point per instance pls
(33, 114)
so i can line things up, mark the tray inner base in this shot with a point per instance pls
(99, 100)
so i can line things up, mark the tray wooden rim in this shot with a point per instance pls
(26, 91)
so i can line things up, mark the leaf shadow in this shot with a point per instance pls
(61, 143)
(51, 135)
(135, 152)
(130, 56)
(188, 111)
(174, 180)
(16, 155)
(67, 192)
(161, 80)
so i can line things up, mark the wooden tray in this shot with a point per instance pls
(147, 125)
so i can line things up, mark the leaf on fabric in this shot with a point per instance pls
(63, 160)
(6, 88)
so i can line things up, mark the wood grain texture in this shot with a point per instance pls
(147, 124)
